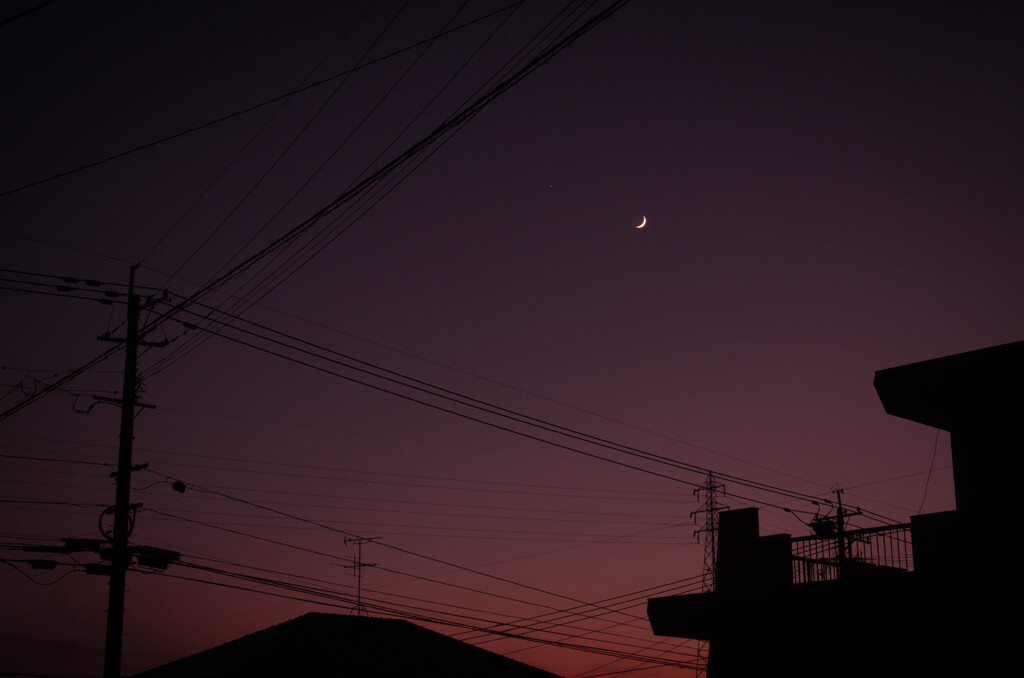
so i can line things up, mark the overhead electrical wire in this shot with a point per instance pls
(409, 612)
(588, 439)
(473, 403)
(418, 555)
(282, 339)
(378, 177)
(570, 539)
(630, 599)
(601, 609)
(507, 83)
(244, 147)
(391, 547)
(71, 287)
(452, 400)
(547, 515)
(351, 214)
(61, 381)
(450, 484)
(414, 612)
(249, 109)
(476, 376)
(240, 302)
(443, 131)
(283, 152)
(567, 614)
(497, 383)
(24, 13)
(407, 608)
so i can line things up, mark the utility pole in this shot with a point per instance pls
(358, 566)
(842, 545)
(120, 555)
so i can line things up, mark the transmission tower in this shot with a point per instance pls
(707, 494)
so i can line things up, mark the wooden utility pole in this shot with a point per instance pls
(120, 554)
(120, 557)
(842, 543)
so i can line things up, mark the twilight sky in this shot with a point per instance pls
(828, 191)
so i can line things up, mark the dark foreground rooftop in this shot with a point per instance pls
(321, 645)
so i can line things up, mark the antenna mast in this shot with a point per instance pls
(358, 565)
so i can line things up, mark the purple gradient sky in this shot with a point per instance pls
(829, 191)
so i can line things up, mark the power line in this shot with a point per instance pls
(602, 609)
(66, 378)
(454, 399)
(451, 484)
(430, 390)
(266, 173)
(372, 188)
(386, 545)
(248, 109)
(422, 556)
(438, 136)
(234, 159)
(412, 612)
(65, 247)
(489, 380)
(25, 13)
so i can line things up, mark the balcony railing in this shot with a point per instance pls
(869, 550)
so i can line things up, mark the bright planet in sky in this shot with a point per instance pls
(642, 223)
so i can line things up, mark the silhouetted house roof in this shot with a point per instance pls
(343, 646)
(957, 391)
(921, 598)
(978, 397)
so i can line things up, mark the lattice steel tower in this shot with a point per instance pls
(708, 494)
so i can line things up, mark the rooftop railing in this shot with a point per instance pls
(869, 550)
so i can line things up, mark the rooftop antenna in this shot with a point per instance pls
(357, 567)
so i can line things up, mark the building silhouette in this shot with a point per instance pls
(921, 598)
(318, 645)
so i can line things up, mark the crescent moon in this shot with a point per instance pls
(642, 223)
